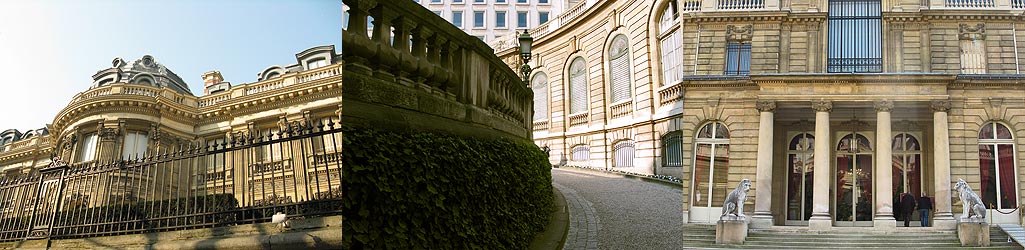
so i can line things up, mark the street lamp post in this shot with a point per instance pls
(525, 42)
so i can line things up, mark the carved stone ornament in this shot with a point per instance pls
(884, 105)
(941, 106)
(739, 34)
(56, 162)
(822, 106)
(766, 106)
(282, 124)
(972, 207)
(109, 133)
(977, 32)
(733, 207)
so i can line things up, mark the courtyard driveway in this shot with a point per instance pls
(609, 211)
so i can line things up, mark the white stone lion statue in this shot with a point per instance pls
(733, 208)
(971, 205)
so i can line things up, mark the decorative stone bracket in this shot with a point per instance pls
(739, 34)
(966, 32)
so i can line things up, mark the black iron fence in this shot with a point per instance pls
(245, 178)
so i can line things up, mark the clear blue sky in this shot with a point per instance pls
(49, 49)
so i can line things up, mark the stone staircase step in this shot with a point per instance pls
(703, 237)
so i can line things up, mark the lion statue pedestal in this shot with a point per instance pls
(972, 229)
(732, 225)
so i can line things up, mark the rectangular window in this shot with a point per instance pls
(500, 19)
(478, 19)
(973, 57)
(500, 1)
(480, 37)
(521, 19)
(134, 146)
(87, 148)
(521, 1)
(855, 36)
(738, 58)
(542, 17)
(435, 1)
(478, 1)
(542, 1)
(437, 13)
(457, 18)
(457, 1)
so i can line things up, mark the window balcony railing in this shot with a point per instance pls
(970, 3)
(741, 4)
(620, 109)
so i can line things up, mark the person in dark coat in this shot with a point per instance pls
(907, 206)
(924, 208)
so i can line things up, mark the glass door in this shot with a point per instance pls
(800, 176)
(853, 205)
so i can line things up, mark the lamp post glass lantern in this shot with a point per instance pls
(525, 42)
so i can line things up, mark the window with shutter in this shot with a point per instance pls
(670, 43)
(540, 86)
(578, 86)
(619, 65)
(973, 57)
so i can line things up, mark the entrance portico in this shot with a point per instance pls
(862, 174)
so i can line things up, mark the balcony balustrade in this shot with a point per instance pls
(421, 56)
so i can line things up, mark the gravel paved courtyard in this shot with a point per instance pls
(609, 211)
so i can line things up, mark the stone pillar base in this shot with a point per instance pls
(884, 223)
(730, 232)
(761, 221)
(944, 222)
(973, 234)
(822, 223)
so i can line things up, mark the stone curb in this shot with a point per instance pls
(628, 176)
(555, 232)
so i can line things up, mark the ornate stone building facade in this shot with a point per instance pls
(140, 108)
(832, 108)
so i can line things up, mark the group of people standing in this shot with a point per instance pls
(907, 204)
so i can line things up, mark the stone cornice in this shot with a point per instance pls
(852, 78)
(285, 96)
(735, 16)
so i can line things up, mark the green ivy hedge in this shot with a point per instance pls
(434, 191)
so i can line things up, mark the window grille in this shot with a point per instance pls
(623, 152)
(855, 36)
(738, 58)
(672, 150)
(580, 153)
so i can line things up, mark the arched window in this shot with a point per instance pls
(996, 166)
(711, 162)
(800, 176)
(540, 86)
(670, 41)
(580, 153)
(272, 75)
(907, 165)
(619, 68)
(672, 150)
(577, 86)
(623, 152)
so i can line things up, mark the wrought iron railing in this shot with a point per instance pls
(172, 190)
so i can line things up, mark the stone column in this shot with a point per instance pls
(944, 219)
(820, 219)
(763, 178)
(883, 169)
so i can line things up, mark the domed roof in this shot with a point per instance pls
(143, 71)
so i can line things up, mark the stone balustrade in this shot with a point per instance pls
(621, 109)
(416, 61)
(669, 94)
